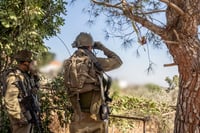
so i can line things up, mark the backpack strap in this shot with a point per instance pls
(93, 58)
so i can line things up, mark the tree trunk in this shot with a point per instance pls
(188, 108)
(183, 30)
(188, 105)
(186, 55)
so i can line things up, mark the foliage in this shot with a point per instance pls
(54, 100)
(25, 23)
(153, 87)
(121, 105)
(131, 106)
(173, 83)
(4, 121)
(115, 88)
(137, 106)
(45, 58)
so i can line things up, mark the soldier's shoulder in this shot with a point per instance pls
(13, 73)
(80, 52)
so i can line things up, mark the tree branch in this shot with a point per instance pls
(128, 12)
(175, 7)
(177, 36)
(107, 4)
(155, 11)
(169, 65)
(146, 23)
(171, 42)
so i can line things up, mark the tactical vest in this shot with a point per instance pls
(82, 82)
(28, 82)
(79, 70)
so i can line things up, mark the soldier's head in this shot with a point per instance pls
(83, 40)
(23, 56)
(24, 59)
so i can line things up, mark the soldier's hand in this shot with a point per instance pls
(98, 45)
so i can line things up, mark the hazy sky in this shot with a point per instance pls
(133, 69)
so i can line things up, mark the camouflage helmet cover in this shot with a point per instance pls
(83, 39)
(23, 55)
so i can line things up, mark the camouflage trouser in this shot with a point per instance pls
(16, 128)
(89, 124)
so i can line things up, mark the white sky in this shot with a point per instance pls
(133, 69)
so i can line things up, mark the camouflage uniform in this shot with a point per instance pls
(13, 95)
(87, 118)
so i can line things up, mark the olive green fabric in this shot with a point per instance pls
(85, 100)
(82, 99)
(112, 61)
(82, 40)
(78, 71)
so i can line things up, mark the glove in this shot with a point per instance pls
(98, 45)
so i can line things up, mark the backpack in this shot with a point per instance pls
(78, 70)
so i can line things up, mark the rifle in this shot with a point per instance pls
(31, 105)
(105, 83)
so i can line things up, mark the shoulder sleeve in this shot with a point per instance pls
(112, 61)
(11, 97)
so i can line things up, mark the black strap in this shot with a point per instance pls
(93, 58)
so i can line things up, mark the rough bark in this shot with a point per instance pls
(188, 111)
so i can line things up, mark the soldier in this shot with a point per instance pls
(19, 85)
(87, 97)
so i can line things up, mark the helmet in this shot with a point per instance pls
(23, 55)
(83, 39)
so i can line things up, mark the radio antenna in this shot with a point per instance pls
(64, 45)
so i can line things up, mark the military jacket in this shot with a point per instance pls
(14, 94)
